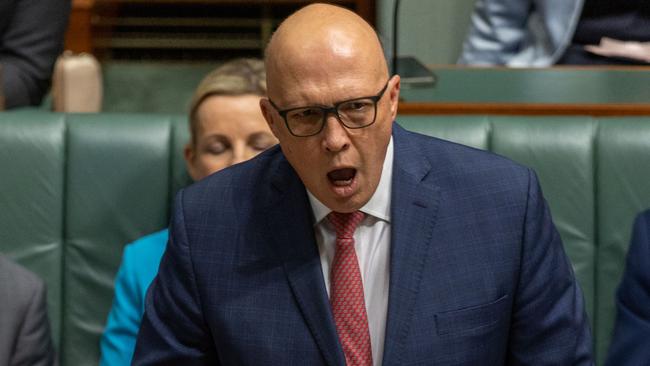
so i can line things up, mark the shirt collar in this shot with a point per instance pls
(378, 205)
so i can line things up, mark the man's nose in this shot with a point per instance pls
(335, 135)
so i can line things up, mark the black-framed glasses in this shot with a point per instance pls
(352, 113)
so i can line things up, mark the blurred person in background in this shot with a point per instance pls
(31, 38)
(541, 33)
(227, 127)
(24, 326)
(631, 339)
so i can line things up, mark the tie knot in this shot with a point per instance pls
(345, 223)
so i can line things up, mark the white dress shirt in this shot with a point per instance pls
(372, 244)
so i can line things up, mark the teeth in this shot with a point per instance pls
(342, 183)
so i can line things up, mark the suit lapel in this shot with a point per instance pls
(414, 205)
(290, 229)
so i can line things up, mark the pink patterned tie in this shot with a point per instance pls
(346, 292)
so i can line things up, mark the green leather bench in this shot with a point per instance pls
(75, 188)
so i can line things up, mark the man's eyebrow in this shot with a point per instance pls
(326, 105)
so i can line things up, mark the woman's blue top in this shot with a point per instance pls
(139, 267)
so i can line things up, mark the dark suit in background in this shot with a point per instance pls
(24, 326)
(631, 339)
(31, 38)
(478, 275)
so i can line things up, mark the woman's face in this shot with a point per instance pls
(230, 129)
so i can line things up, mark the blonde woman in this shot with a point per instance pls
(226, 128)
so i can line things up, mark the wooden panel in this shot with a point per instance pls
(366, 9)
(78, 37)
(407, 108)
(182, 29)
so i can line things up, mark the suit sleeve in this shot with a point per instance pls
(631, 340)
(118, 341)
(29, 47)
(496, 31)
(550, 325)
(34, 343)
(173, 330)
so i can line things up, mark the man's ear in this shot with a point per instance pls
(394, 96)
(267, 112)
(189, 154)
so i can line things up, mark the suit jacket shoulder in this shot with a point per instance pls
(237, 182)
(24, 326)
(631, 338)
(454, 166)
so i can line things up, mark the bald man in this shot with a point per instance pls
(357, 242)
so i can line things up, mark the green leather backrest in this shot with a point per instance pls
(623, 160)
(118, 182)
(75, 189)
(32, 176)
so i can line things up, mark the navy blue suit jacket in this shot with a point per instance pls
(631, 340)
(478, 275)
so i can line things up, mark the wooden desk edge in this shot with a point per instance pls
(414, 108)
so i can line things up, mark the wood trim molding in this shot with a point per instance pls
(412, 108)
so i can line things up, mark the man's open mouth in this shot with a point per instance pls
(342, 177)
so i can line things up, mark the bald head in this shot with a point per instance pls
(322, 39)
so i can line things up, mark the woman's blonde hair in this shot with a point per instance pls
(237, 77)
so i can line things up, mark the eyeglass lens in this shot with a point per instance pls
(353, 114)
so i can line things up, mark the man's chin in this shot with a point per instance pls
(349, 203)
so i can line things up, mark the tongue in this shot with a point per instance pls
(342, 174)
